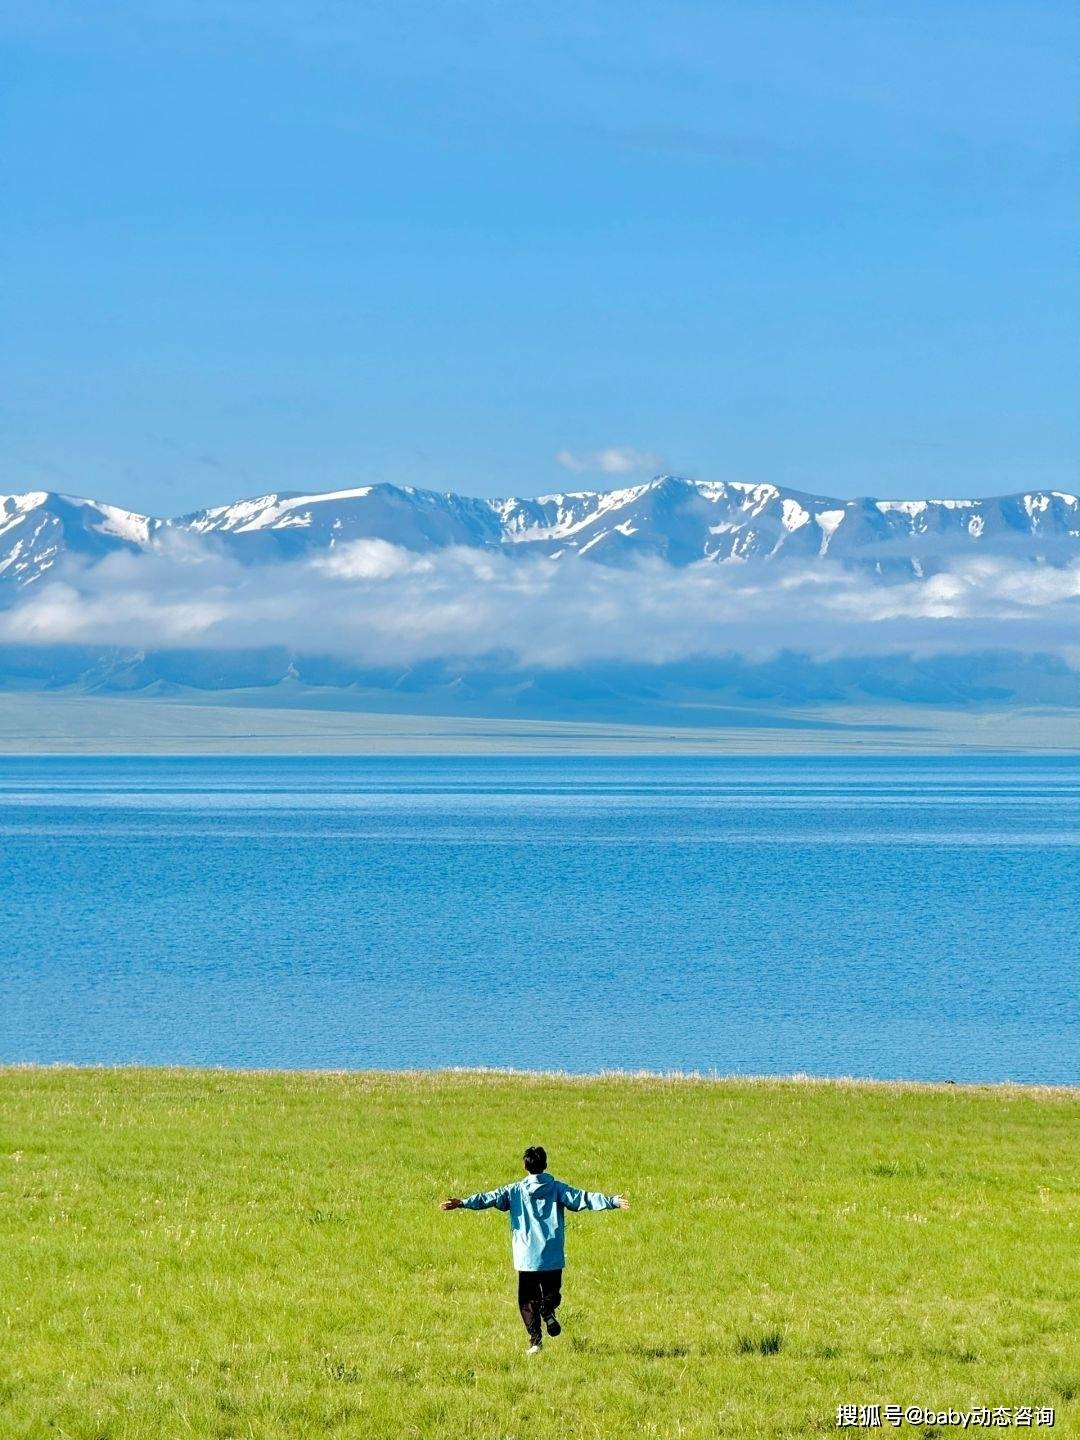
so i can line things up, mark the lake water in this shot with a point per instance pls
(901, 918)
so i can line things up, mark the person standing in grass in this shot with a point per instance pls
(537, 1235)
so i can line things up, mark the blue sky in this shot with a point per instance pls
(257, 246)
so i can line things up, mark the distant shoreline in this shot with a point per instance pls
(34, 724)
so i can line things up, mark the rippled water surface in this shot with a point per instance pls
(872, 917)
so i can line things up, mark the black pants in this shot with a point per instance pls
(538, 1295)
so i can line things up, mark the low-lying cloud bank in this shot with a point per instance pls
(377, 604)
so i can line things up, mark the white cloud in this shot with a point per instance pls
(364, 560)
(377, 604)
(614, 460)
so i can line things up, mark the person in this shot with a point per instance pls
(537, 1235)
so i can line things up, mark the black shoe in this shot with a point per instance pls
(553, 1326)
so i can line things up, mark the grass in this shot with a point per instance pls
(214, 1254)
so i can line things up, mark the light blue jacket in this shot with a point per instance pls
(536, 1205)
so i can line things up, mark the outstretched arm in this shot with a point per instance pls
(573, 1199)
(482, 1200)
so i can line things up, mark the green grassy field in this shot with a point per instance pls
(216, 1254)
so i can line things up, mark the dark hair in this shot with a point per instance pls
(535, 1159)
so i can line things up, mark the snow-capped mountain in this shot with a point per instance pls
(39, 529)
(681, 521)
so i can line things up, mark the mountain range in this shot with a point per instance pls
(679, 521)
(766, 539)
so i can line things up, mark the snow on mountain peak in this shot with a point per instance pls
(668, 518)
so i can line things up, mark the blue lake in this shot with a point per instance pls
(899, 918)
